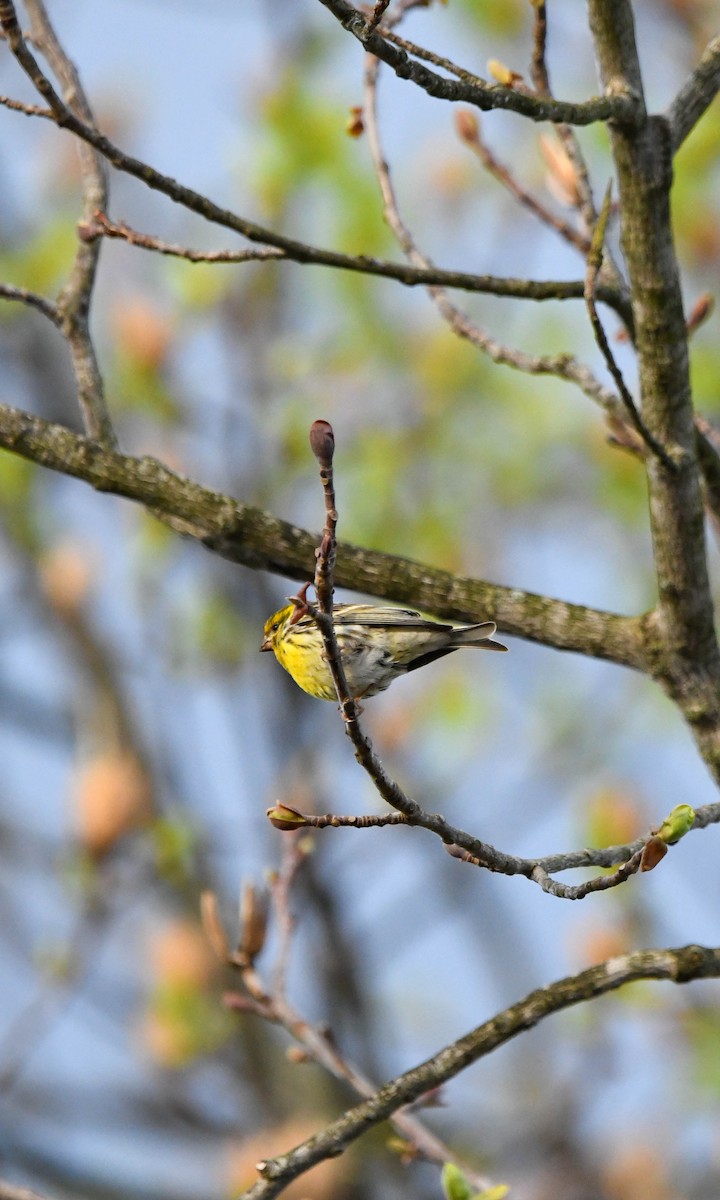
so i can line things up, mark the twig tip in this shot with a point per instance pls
(322, 440)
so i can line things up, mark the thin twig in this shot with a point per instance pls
(696, 95)
(599, 883)
(74, 299)
(480, 854)
(504, 176)
(30, 110)
(102, 226)
(430, 56)
(594, 264)
(564, 366)
(538, 64)
(284, 816)
(9, 292)
(378, 13)
(585, 204)
(537, 870)
(281, 888)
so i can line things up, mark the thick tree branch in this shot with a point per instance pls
(677, 966)
(258, 540)
(690, 667)
(695, 96)
(618, 107)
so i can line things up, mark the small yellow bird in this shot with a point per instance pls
(377, 643)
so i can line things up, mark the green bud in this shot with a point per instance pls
(677, 824)
(454, 1184)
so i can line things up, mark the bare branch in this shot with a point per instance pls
(696, 95)
(299, 252)
(426, 55)
(674, 965)
(317, 1041)
(284, 817)
(627, 860)
(473, 139)
(30, 110)
(377, 14)
(101, 226)
(538, 65)
(685, 618)
(9, 292)
(594, 264)
(599, 883)
(566, 134)
(617, 107)
(74, 300)
(564, 366)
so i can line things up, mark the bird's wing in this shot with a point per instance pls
(381, 616)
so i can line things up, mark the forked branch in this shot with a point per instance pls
(674, 965)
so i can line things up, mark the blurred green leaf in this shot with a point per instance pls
(41, 262)
(702, 1029)
(175, 842)
(502, 17)
(186, 1022)
(18, 477)
(137, 387)
(220, 633)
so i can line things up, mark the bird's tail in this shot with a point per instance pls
(476, 635)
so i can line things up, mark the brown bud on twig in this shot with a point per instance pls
(623, 435)
(654, 851)
(253, 922)
(467, 126)
(433, 1098)
(322, 441)
(296, 1054)
(88, 231)
(355, 126)
(461, 855)
(700, 311)
(212, 925)
(562, 180)
(237, 1002)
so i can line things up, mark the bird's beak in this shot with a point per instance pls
(266, 644)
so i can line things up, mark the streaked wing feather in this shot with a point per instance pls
(374, 616)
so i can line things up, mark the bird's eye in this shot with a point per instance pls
(275, 626)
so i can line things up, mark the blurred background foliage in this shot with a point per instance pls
(142, 736)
